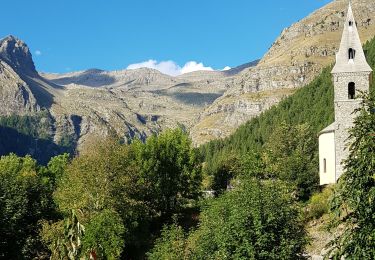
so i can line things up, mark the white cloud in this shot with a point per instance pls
(226, 68)
(194, 66)
(170, 67)
(166, 67)
(38, 53)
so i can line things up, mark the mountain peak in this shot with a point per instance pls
(17, 54)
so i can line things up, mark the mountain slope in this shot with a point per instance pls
(92, 103)
(312, 104)
(295, 58)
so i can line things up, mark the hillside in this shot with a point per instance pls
(296, 57)
(312, 104)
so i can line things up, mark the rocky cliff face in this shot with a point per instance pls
(16, 96)
(16, 53)
(133, 103)
(295, 58)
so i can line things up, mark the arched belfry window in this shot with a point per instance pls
(350, 23)
(351, 53)
(351, 90)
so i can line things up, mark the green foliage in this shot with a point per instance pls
(172, 168)
(171, 245)
(319, 204)
(31, 134)
(305, 113)
(104, 235)
(258, 220)
(104, 179)
(25, 198)
(64, 237)
(37, 126)
(312, 104)
(290, 156)
(369, 49)
(57, 165)
(253, 166)
(226, 170)
(354, 201)
(123, 193)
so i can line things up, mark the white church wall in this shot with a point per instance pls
(327, 158)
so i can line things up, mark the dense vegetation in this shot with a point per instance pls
(25, 199)
(114, 197)
(312, 105)
(258, 220)
(113, 200)
(33, 135)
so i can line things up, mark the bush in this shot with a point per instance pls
(257, 220)
(319, 204)
(171, 245)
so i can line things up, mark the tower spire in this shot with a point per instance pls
(350, 57)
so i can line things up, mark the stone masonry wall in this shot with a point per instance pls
(344, 112)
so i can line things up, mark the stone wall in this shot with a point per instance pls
(342, 80)
(344, 112)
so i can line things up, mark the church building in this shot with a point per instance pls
(351, 74)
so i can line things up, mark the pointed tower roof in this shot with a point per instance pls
(350, 57)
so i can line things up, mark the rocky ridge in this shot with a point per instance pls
(15, 93)
(85, 104)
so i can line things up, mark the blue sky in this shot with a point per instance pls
(70, 35)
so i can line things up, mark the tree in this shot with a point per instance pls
(120, 194)
(354, 202)
(227, 169)
(289, 155)
(257, 220)
(25, 198)
(171, 245)
(172, 167)
(101, 191)
(104, 235)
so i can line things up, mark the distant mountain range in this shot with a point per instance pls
(210, 104)
(84, 104)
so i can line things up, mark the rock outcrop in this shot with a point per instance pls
(17, 55)
(16, 96)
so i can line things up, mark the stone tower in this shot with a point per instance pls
(351, 74)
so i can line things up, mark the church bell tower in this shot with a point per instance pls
(351, 74)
